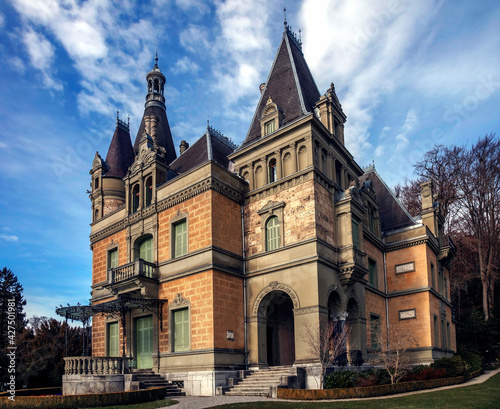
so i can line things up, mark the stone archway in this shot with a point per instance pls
(276, 330)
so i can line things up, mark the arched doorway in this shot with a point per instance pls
(276, 329)
(355, 324)
(337, 319)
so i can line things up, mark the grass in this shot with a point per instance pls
(482, 396)
(146, 405)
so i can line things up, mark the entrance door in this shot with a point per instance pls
(279, 329)
(144, 342)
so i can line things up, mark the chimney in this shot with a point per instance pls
(429, 213)
(262, 86)
(183, 146)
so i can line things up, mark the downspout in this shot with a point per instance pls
(244, 286)
(386, 302)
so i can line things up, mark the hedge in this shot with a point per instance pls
(52, 390)
(84, 401)
(370, 391)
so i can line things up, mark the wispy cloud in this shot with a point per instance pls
(184, 65)
(7, 237)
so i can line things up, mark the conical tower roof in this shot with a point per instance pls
(290, 85)
(120, 153)
(155, 105)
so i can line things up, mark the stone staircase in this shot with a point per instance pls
(263, 381)
(148, 379)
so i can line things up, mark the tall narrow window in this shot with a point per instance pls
(375, 332)
(436, 331)
(180, 238)
(355, 233)
(443, 335)
(148, 193)
(372, 278)
(113, 339)
(135, 198)
(113, 258)
(272, 171)
(181, 330)
(445, 292)
(433, 276)
(448, 335)
(272, 233)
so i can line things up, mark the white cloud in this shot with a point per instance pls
(379, 151)
(41, 53)
(195, 39)
(7, 237)
(3, 145)
(17, 64)
(184, 65)
(411, 122)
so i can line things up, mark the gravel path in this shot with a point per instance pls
(202, 402)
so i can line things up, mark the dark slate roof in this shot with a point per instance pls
(163, 135)
(211, 146)
(393, 214)
(290, 85)
(120, 153)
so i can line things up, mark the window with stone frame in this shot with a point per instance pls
(113, 258)
(148, 191)
(181, 330)
(270, 127)
(135, 198)
(272, 177)
(272, 225)
(272, 233)
(179, 234)
(112, 336)
(355, 232)
(436, 331)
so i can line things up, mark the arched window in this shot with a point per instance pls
(96, 214)
(96, 183)
(146, 249)
(148, 194)
(272, 171)
(135, 198)
(272, 233)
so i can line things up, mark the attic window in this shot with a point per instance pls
(270, 127)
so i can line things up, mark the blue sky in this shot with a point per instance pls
(409, 75)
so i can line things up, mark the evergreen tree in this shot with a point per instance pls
(10, 289)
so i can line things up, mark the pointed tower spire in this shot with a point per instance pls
(120, 153)
(155, 107)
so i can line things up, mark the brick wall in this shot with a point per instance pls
(228, 311)
(226, 227)
(410, 280)
(375, 304)
(100, 255)
(325, 215)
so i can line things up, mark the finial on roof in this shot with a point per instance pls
(156, 57)
(117, 115)
(284, 12)
(208, 122)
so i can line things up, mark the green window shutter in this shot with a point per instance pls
(180, 238)
(113, 339)
(146, 250)
(181, 330)
(272, 234)
(113, 258)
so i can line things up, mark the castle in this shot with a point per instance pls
(212, 261)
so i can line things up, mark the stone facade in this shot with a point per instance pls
(242, 246)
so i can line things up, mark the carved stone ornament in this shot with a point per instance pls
(275, 286)
(271, 205)
(179, 301)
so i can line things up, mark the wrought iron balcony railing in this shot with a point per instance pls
(137, 268)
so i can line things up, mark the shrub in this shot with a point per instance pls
(472, 361)
(454, 366)
(424, 373)
(341, 379)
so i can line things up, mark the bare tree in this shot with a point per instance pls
(392, 354)
(327, 344)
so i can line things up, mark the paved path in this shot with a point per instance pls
(201, 402)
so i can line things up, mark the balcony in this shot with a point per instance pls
(353, 265)
(139, 275)
(447, 249)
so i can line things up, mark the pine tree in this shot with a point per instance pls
(11, 292)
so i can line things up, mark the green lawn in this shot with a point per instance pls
(146, 405)
(483, 396)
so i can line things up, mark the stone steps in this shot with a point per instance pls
(259, 383)
(148, 379)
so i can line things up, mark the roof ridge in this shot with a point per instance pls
(295, 76)
(371, 168)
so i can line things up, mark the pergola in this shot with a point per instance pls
(116, 308)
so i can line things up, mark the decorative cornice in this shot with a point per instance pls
(275, 286)
(310, 310)
(406, 245)
(179, 301)
(210, 183)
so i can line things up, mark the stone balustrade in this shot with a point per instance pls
(137, 268)
(96, 365)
